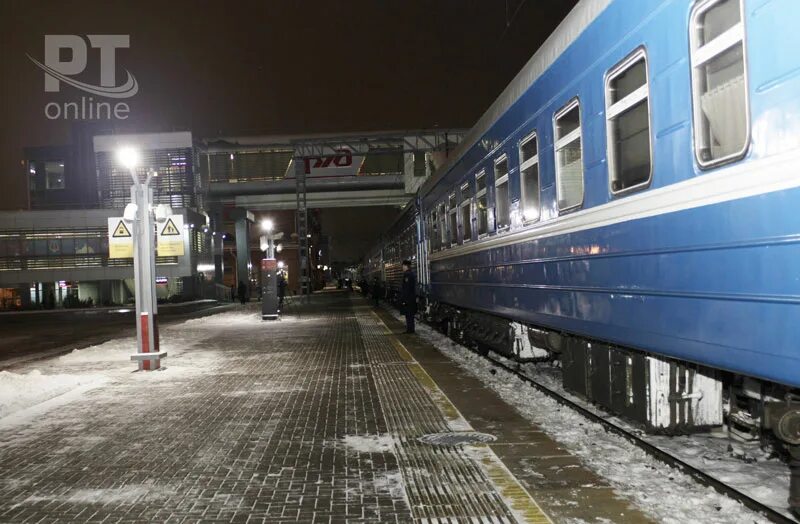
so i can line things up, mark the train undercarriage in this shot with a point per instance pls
(661, 395)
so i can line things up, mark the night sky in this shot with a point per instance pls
(270, 67)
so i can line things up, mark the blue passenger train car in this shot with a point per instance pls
(630, 205)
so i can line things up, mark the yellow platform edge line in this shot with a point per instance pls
(522, 504)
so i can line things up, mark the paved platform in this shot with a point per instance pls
(313, 418)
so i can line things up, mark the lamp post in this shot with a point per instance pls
(139, 212)
(269, 271)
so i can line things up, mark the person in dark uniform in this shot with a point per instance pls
(281, 290)
(408, 295)
(242, 292)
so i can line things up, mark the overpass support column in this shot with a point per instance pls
(243, 220)
(217, 244)
(302, 226)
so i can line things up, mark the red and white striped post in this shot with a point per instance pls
(148, 353)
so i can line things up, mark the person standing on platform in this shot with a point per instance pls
(408, 295)
(281, 290)
(242, 292)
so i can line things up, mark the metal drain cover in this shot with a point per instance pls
(456, 439)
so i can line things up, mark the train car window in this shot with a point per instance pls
(628, 124)
(453, 226)
(529, 177)
(482, 209)
(502, 214)
(466, 213)
(433, 231)
(719, 82)
(569, 156)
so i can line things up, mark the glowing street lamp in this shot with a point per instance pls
(269, 270)
(129, 158)
(139, 213)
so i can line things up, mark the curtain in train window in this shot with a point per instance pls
(569, 161)
(466, 213)
(443, 238)
(628, 124)
(529, 178)
(481, 204)
(719, 82)
(453, 226)
(501, 203)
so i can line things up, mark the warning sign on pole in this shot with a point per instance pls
(170, 237)
(120, 240)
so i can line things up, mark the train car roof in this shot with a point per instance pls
(559, 40)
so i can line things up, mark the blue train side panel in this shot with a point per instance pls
(703, 265)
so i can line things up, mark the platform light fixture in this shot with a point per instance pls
(128, 157)
(267, 225)
(140, 214)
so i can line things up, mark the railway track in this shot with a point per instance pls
(654, 451)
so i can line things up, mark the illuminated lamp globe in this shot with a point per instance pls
(128, 157)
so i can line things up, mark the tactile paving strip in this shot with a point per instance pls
(443, 483)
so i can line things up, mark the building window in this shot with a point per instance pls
(453, 226)
(628, 124)
(466, 213)
(482, 210)
(54, 175)
(569, 162)
(32, 185)
(719, 83)
(501, 198)
(529, 177)
(420, 164)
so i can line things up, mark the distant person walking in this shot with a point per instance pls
(242, 292)
(408, 295)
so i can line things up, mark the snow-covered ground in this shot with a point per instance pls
(33, 388)
(663, 492)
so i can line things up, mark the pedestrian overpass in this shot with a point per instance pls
(262, 173)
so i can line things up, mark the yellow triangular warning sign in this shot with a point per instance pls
(121, 231)
(170, 229)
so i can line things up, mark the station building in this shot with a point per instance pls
(56, 253)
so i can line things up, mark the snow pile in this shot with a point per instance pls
(369, 443)
(21, 391)
(665, 493)
(118, 350)
(391, 483)
(130, 494)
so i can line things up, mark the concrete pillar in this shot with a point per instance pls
(217, 243)
(243, 220)
(24, 291)
(243, 251)
(219, 263)
(104, 293)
